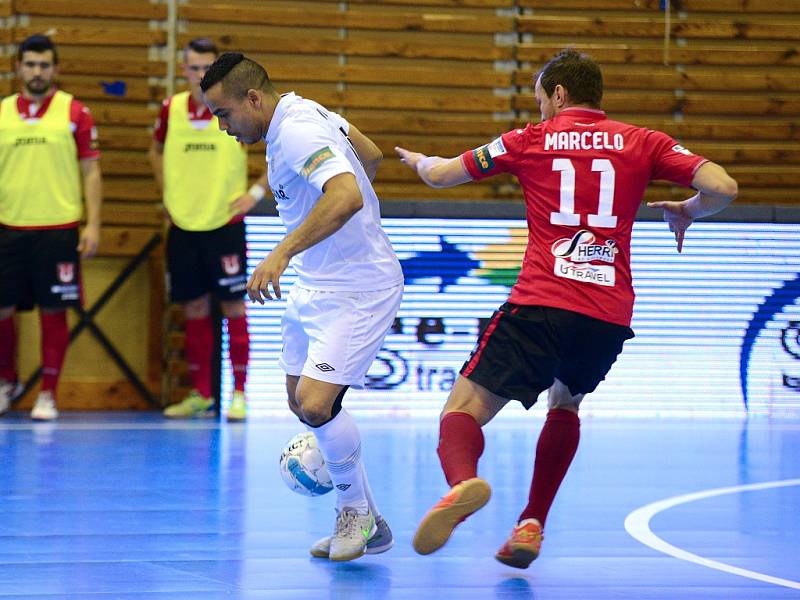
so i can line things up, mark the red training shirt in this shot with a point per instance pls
(583, 177)
(197, 112)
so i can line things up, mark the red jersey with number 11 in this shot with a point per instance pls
(583, 177)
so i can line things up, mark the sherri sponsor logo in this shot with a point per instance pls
(573, 254)
(579, 248)
(586, 140)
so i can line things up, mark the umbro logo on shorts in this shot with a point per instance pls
(343, 486)
(324, 367)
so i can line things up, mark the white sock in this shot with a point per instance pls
(373, 508)
(340, 444)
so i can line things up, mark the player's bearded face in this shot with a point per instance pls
(195, 66)
(237, 118)
(37, 71)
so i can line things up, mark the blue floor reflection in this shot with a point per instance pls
(130, 506)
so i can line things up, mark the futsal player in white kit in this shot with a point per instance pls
(349, 281)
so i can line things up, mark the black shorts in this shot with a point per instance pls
(39, 267)
(207, 261)
(524, 348)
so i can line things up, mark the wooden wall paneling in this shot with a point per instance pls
(119, 9)
(751, 28)
(691, 77)
(705, 53)
(97, 35)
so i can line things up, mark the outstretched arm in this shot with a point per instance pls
(715, 191)
(435, 171)
(341, 199)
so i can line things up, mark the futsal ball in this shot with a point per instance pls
(303, 467)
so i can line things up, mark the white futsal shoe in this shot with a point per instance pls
(353, 531)
(382, 541)
(8, 391)
(45, 408)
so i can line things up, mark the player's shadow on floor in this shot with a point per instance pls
(356, 580)
(514, 587)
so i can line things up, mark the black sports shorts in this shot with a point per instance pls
(39, 267)
(207, 261)
(524, 348)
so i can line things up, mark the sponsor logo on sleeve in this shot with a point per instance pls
(483, 159)
(497, 148)
(681, 150)
(315, 160)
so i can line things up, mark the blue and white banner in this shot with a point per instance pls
(717, 327)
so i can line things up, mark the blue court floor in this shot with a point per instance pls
(131, 506)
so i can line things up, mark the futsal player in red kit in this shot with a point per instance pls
(583, 176)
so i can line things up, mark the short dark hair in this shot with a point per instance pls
(37, 43)
(237, 74)
(201, 46)
(578, 73)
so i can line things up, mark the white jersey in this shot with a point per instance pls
(306, 146)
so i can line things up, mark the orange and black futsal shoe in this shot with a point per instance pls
(522, 548)
(461, 501)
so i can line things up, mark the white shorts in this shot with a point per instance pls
(335, 336)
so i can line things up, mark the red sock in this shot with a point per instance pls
(239, 350)
(198, 349)
(8, 347)
(55, 339)
(555, 450)
(460, 447)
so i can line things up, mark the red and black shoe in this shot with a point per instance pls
(522, 548)
(461, 501)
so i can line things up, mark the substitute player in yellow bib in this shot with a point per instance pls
(48, 152)
(203, 174)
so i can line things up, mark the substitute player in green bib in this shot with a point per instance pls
(203, 174)
(48, 150)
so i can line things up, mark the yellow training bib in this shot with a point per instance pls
(204, 170)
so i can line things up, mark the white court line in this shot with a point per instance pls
(638, 525)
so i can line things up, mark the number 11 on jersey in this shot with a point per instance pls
(566, 214)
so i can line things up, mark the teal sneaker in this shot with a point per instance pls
(194, 405)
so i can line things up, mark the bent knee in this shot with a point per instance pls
(294, 408)
(315, 413)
